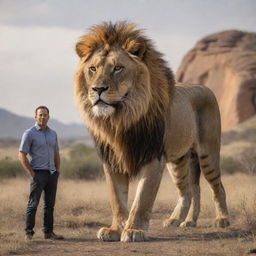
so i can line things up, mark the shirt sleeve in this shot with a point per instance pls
(25, 143)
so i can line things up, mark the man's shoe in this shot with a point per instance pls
(28, 237)
(53, 236)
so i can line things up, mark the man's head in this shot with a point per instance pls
(42, 116)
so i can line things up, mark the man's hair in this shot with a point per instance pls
(42, 107)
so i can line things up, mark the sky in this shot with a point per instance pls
(38, 37)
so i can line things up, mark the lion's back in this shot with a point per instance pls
(194, 116)
(196, 94)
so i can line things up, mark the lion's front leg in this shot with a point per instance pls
(137, 224)
(118, 189)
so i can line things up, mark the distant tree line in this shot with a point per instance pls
(83, 162)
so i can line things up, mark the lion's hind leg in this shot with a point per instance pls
(179, 171)
(211, 170)
(194, 179)
(208, 150)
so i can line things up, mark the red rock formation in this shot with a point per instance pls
(226, 63)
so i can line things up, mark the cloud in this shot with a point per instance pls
(174, 47)
(37, 66)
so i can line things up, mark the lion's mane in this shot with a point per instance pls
(135, 136)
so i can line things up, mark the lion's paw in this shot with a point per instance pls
(190, 223)
(171, 223)
(134, 235)
(221, 222)
(108, 234)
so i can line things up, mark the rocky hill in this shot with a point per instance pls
(225, 62)
(12, 126)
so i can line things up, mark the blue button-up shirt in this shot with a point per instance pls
(41, 145)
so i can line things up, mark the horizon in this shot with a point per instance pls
(37, 38)
(32, 117)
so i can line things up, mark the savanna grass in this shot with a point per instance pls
(85, 204)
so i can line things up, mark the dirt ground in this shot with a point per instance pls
(81, 210)
(203, 240)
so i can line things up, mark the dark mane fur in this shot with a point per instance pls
(141, 144)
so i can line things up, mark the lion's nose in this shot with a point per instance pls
(99, 89)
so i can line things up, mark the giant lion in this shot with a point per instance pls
(142, 121)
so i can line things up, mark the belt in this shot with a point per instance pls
(46, 171)
(43, 170)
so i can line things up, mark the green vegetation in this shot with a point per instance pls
(229, 165)
(10, 168)
(244, 164)
(82, 163)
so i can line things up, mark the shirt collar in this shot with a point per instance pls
(39, 128)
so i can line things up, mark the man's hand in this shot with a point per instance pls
(57, 161)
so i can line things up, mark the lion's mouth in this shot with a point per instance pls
(102, 102)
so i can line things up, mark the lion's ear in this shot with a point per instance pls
(136, 47)
(84, 50)
(81, 50)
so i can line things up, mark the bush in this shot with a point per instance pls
(243, 163)
(248, 162)
(83, 163)
(10, 168)
(229, 165)
(79, 151)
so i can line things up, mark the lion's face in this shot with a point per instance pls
(114, 82)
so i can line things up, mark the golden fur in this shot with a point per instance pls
(141, 121)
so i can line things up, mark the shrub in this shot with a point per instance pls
(244, 162)
(249, 214)
(229, 165)
(83, 163)
(248, 162)
(10, 168)
(79, 151)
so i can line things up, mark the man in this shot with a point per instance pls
(41, 143)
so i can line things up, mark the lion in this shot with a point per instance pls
(141, 122)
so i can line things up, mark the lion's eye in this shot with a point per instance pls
(92, 68)
(118, 68)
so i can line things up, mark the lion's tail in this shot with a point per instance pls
(195, 170)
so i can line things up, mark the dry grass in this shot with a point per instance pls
(9, 152)
(82, 207)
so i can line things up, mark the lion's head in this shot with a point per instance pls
(121, 83)
(110, 83)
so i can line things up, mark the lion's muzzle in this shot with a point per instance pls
(99, 88)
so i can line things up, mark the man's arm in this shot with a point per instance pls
(57, 161)
(25, 163)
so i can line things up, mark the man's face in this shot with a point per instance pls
(42, 117)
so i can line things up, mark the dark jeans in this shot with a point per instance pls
(47, 182)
